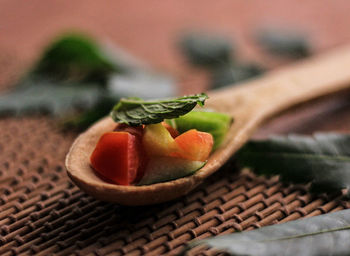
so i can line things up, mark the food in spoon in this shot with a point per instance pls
(144, 150)
(160, 169)
(217, 124)
(171, 158)
(118, 156)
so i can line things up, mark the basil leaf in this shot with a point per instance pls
(327, 234)
(135, 112)
(322, 159)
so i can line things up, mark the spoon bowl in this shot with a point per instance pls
(249, 104)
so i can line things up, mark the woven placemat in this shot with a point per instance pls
(43, 213)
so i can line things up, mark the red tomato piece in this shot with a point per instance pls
(137, 131)
(195, 145)
(118, 157)
(133, 130)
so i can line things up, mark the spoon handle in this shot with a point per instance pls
(278, 90)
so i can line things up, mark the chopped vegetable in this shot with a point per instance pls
(173, 132)
(177, 157)
(118, 157)
(217, 124)
(136, 131)
(194, 145)
(156, 151)
(162, 168)
(157, 141)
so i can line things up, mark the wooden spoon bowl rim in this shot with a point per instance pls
(80, 171)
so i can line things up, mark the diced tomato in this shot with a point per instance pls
(194, 145)
(173, 132)
(133, 130)
(122, 156)
(143, 161)
(118, 157)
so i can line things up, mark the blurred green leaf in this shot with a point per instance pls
(288, 43)
(231, 74)
(84, 119)
(322, 159)
(79, 82)
(327, 234)
(206, 50)
(75, 58)
(138, 83)
(71, 76)
(38, 95)
(216, 54)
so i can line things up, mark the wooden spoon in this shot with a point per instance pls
(249, 104)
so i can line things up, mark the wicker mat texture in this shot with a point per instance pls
(43, 213)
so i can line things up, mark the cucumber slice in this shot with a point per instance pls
(160, 169)
(217, 124)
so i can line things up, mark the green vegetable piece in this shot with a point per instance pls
(206, 50)
(161, 169)
(217, 124)
(135, 111)
(284, 42)
(327, 234)
(322, 159)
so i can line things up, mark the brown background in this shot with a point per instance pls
(42, 213)
(149, 29)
